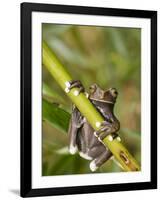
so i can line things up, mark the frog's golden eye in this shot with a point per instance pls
(113, 92)
(93, 88)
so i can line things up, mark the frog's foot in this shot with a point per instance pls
(73, 149)
(93, 166)
(100, 160)
(72, 84)
(85, 156)
(104, 126)
(106, 129)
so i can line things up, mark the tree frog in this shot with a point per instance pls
(82, 137)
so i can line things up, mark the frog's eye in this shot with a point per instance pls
(93, 88)
(113, 92)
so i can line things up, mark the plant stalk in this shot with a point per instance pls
(62, 77)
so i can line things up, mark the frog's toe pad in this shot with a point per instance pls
(85, 156)
(93, 166)
(73, 149)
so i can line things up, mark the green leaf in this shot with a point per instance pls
(56, 116)
(61, 166)
(48, 92)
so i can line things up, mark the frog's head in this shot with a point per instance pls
(107, 96)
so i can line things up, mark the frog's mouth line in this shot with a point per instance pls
(102, 101)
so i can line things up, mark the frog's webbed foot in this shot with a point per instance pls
(100, 160)
(107, 128)
(74, 83)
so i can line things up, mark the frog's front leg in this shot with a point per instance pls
(108, 128)
(72, 84)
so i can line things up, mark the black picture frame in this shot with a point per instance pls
(26, 105)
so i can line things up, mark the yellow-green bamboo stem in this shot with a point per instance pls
(62, 77)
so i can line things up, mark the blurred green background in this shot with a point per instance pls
(108, 56)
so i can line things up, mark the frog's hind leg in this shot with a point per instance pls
(75, 124)
(100, 160)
